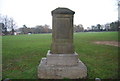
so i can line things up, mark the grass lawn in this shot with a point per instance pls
(22, 54)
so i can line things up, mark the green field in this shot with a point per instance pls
(22, 53)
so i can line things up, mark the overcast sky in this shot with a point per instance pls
(38, 12)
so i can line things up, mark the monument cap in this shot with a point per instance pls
(62, 10)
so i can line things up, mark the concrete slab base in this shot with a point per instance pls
(60, 66)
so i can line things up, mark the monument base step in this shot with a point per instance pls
(47, 71)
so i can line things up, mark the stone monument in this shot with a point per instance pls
(62, 61)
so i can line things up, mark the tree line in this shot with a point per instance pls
(44, 29)
(9, 27)
(78, 28)
(35, 30)
(113, 26)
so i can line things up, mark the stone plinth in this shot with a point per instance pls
(62, 61)
(60, 66)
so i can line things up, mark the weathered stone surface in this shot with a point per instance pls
(62, 61)
(62, 34)
(51, 70)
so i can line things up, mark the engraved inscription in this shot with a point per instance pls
(62, 28)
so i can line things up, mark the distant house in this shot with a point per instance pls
(17, 33)
(29, 33)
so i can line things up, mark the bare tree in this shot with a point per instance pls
(78, 28)
(99, 27)
(93, 27)
(12, 24)
(4, 20)
(9, 23)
